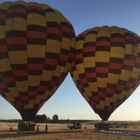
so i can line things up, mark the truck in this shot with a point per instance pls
(74, 125)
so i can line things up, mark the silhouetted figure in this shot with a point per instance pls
(46, 128)
(37, 128)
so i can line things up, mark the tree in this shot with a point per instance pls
(55, 118)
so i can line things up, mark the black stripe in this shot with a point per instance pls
(6, 73)
(52, 55)
(4, 55)
(117, 91)
(36, 28)
(34, 72)
(131, 42)
(2, 22)
(83, 75)
(127, 88)
(88, 54)
(44, 83)
(36, 41)
(11, 84)
(130, 57)
(92, 69)
(2, 41)
(116, 60)
(23, 93)
(118, 44)
(32, 97)
(79, 51)
(17, 6)
(19, 66)
(79, 61)
(40, 92)
(16, 33)
(117, 35)
(129, 34)
(16, 14)
(79, 38)
(21, 78)
(137, 65)
(114, 71)
(54, 25)
(66, 34)
(101, 89)
(102, 75)
(62, 63)
(49, 67)
(17, 47)
(54, 37)
(32, 88)
(35, 60)
(2, 11)
(103, 38)
(65, 52)
(127, 67)
(103, 48)
(102, 64)
(49, 10)
(121, 82)
(109, 85)
(92, 32)
(87, 44)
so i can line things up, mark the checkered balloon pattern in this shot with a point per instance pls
(106, 68)
(37, 45)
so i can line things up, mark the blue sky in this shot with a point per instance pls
(67, 101)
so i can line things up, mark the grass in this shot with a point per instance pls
(61, 132)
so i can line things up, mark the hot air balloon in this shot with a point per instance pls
(37, 45)
(106, 67)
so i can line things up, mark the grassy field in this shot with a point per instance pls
(61, 132)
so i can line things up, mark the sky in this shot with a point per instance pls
(67, 102)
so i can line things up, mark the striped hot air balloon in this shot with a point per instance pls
(106, 68)
(37, 46)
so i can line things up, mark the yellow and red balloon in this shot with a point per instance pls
(106, 68)
(37, 45)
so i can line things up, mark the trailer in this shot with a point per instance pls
(74, 125)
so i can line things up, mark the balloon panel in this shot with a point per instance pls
(36, 51)
(106, 69)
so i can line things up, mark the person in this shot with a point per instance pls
(37, 128)
(46, 128)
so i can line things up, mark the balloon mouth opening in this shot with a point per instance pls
(104, 114)
(28, 116)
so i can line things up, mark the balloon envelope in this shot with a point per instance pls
(37, 46)
(106, 68)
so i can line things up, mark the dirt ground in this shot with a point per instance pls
(61, 132)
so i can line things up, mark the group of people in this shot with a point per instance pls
(46, 128)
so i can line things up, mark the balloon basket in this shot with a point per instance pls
(102, 126)
(26, 126)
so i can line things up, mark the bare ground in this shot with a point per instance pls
(61, 132)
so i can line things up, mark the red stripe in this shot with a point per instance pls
(19, 102)
(18, 10)
(61, 79)
(2, 85)
(36, 34)
(120, 87)
(51, 61)
(129, 38)
(83, 80)
(115, 65)
(103, 43)
(63, 57)
(90, 74)
(129, 84)
(71, 55)
(102, 94)
(54, 31)
(35, 66)
(66, 29)
(3, 48)
(81, 35)
(101, 70)
(138, 60)
(32, 93)
(16, 40)
(110, 90)
(53, 83)
(2, 16)
(78, 56)
(96, 98)
(24, 98)
(129, 62)
(35, 7)
(8, 79)
(89, 49)
(117, 39)
(42, 88)
(19, 72)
